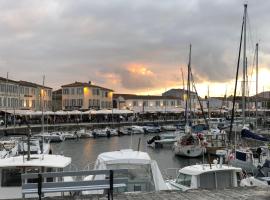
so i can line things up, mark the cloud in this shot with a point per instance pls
(97, 40)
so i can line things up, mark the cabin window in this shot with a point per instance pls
(140, 176)
(184, 179)
(11, 177)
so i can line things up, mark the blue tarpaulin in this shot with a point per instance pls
(248, 134)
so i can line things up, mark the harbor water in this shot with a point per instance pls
(85, 151)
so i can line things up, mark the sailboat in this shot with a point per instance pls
(188, 145)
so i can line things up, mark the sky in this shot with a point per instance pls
(133, 46)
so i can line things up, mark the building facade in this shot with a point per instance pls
(84, 96)
(57, 100)
(24, 95)
(147, 103)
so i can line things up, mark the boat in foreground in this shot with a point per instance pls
(143, 172)
(11, 169)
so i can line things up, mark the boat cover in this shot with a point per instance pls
(248, 134)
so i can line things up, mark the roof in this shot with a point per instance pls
(124, 156)
(200, 169)
(178, 90)
(30, 84)
(9, 80)
(84, 84)
(146, 97)
(37, 160)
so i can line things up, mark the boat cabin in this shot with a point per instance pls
(206, 176)
(12, 168)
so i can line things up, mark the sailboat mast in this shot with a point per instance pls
(257, 74)
(244, 66)
(188, 84)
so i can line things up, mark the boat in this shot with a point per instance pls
(70, 135)
(143, 172)
(168, 128)
(151, 129)
(189, 144)
(37, 146)
(128, 130)
(52, 137)
(162, 140)
(11, 169)
(84, 133)
(106, 132)
(261, 179)
(206, 176)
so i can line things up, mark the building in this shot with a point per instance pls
(57, 100)
(145, 103)
(179, 93)
(24, 95)
(32, 95)
(84, 96)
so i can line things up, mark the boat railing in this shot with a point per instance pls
(89, 166)
(73, 167)
(170, 173)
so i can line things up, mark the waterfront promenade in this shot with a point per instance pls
(226, 194)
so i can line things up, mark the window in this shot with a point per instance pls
(135, 103)
(106, 94)
(11, 177)
(79, 90)
(178, 103)
(165, 103)
(72, 90)
(66, 91)
(157, 103)
(172, 103)
(145, 103)
(26, 91)
(33, 103)
(0, 101)
(33, 91)
(49, 93)
(184, 179)
(79, 102)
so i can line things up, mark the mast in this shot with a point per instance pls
(42, 112)
(6, 94)
(236, 80)
(208, 103)
(188, 101)
(244, 66)
(257, 72)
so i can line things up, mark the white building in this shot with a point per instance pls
(148, 103)
(24, 95)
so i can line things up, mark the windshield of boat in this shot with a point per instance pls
(140, 177)
(184, 179)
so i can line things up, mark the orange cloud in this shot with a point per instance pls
(139, 69)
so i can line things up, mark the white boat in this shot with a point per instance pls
(85, 133)
(206, 176)
(106, 132)
(128, 130)
(152, 129)
(8, 147)
(189, 145)
(52, 137)
(37, 146)
(164, 139)
(11, 169)
(70, 135)
(143, 172)
(168, 128)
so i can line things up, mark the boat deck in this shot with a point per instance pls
(234, 194)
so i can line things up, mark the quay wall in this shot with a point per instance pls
(35, 128)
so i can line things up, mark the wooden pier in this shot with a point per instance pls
(226, 194)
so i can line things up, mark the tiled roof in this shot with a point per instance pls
(146, 97)
(9, 80)
(83, 84)
(29, 84)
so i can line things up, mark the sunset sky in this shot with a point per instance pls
(132, 46)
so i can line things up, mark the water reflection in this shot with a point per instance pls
(85, 151)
